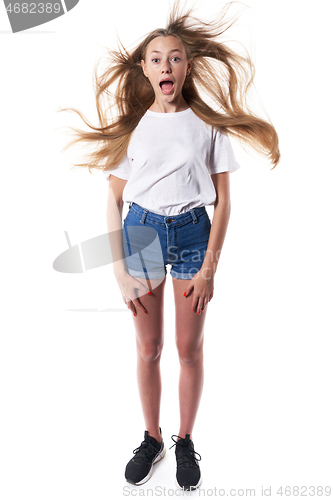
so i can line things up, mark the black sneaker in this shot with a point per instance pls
(188, 476)
(140, 468)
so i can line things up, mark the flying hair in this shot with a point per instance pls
(218, 72)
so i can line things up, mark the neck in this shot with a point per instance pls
(160, 106)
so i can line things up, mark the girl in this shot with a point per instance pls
(168, 154)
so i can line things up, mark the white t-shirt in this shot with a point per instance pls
(169, 161)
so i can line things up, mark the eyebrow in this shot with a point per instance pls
(158, 52)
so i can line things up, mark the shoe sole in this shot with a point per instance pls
(192, 487)
(158, 457)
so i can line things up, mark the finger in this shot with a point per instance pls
(142, 287)
(132, 308)
(132, 293)
(142, 290)
(129, 304)
(188, 290)
(127, 300)
(139, 306)
(205, 302)
(200, 304)
(195, 304)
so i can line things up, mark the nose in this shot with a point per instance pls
(166, 67)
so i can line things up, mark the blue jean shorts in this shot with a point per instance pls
(152, 241)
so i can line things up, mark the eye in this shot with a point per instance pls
(155, 59)
(175, 57)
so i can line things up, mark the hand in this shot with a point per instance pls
(201, 287)
(129, 287)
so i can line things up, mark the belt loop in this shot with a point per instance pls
(144, 215)
(131, 203)
(194, 216)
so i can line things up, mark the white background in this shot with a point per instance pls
(70, 413)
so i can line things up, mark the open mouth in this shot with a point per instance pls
(167, 86)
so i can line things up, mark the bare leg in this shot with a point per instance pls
(149, 341)
(189, 340)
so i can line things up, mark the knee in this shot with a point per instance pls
(189, 355)
(150, 352)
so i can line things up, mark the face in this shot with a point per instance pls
(166, 60)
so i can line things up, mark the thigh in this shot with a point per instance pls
(149, 327)
(189, 325)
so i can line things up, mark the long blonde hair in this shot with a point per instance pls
(221, 73)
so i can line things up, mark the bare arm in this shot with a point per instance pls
(129, 286)
(201, 287)
(114, 214)
(222, 208)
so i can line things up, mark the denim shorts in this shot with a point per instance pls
(152, 241)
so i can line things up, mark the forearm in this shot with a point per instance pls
(216, 238)
(114, 226)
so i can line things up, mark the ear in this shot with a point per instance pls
(143, 67)
(189, 66)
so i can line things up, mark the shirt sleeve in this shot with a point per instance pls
(123, 170)
(222, 155)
